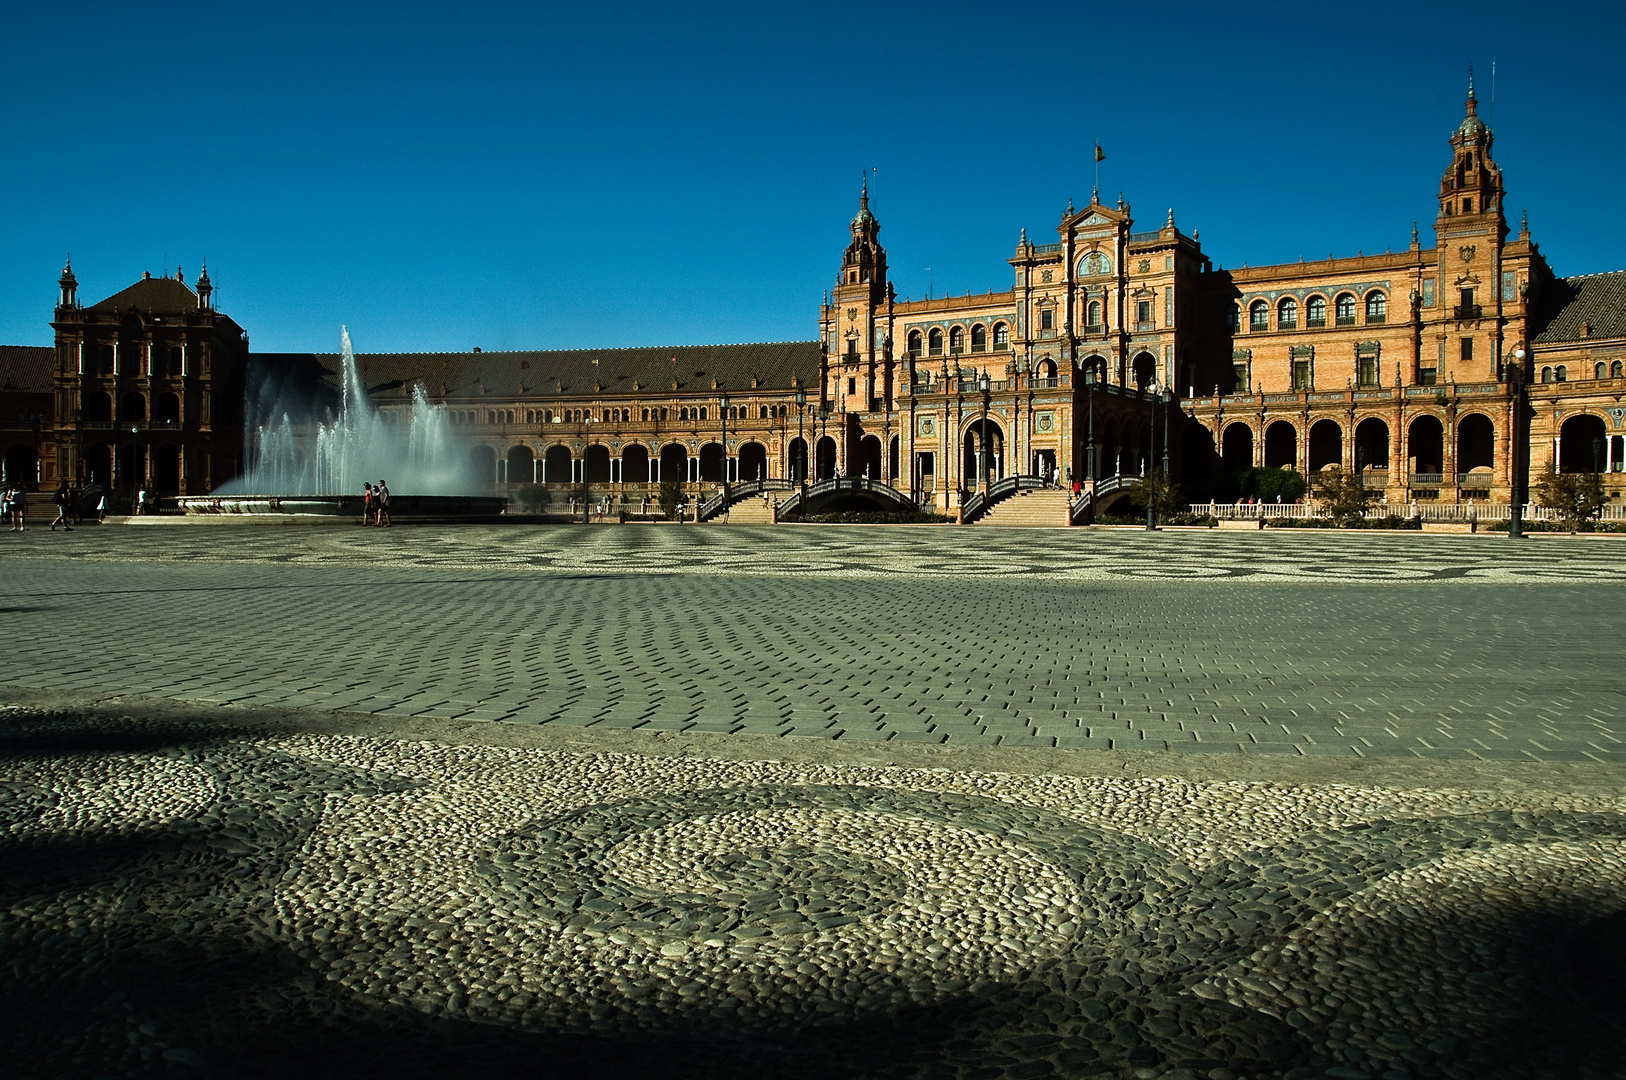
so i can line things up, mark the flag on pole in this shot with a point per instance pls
(1100, 155)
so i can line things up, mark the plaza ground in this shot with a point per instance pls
(811, 801)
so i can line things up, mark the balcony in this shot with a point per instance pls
(1475, 481)
(1346, 320)
(1315, 324)
(1427, 479)
(1095, 328)
(1467, 312)
(1145, 327)
(1373, 320)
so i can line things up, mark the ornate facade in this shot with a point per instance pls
(1113, 348)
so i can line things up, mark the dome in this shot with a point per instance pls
(1472, 125)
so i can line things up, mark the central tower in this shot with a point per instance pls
(857, 336)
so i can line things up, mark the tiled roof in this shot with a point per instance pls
(1599, 300)
(27, 368)
(772, 364)
(161, 295)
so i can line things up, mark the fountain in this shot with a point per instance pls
(313, 467)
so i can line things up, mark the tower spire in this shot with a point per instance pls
(68, 283)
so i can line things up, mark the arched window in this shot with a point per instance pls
(914, 343)
(1092, 315)
(936, 340)
(702, 412)
(1561, 373)
(1094, 264)
(683, 414)
(1315, 311)
(1614, 369)
(1346, 309)
(1287, 314)
(1598, 369)
(547, 416)
(1002, 336)
(1259, 315)
(1546, 374)
(957, 339)
(979, 338)
(1377, 307)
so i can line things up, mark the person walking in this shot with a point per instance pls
(13, 509)
(366, 503)
(384, 505)
(63, 499)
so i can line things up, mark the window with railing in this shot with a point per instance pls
(1002, 336)
(1377, 307)
(914, 343)
(936, 343)
(1092, 317)
(1287, 314)
(1259, 316)
(957, 339)
(1234, 318)
(1344, 310)
(1315, 312)
(979, 338)
(1143, 315)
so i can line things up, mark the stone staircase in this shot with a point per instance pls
(751, 511)
(1047, 509)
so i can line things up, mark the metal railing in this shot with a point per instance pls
(980, 502)
(836, 484)
(739, 492)
(1423, 509)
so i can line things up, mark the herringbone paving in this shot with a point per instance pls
(1451, 647)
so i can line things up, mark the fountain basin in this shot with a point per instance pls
(342, 509)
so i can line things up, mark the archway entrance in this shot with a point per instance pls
(1582, 445)
(1144, 370)
(132, 466)
(598, 465)
(556, 465)
(674, 463)
(869, 457)
(1326, 444)
(797, 461)
(1371, 445)
(634, 464)
(21, 465)
(1425, 450)
(99, 464)
(166, 470)
(983, 464)
(1476, 443)
(1237, 447)
(711, 462)
(1281, 446)
(483, 463)
(521, 465)
(826, 461)
(753, 457)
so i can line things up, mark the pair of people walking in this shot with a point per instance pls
(375, 504)
(14, 500)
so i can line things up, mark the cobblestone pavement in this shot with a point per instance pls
(1440, 647)
(227, 892)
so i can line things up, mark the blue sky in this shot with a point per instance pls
(560, 176)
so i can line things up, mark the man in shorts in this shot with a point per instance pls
(383, 500)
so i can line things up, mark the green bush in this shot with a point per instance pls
(1265, 484)
(871, 517)
(669, 496)
(533, 498)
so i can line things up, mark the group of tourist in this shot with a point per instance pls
(13, 500)
(375, 504)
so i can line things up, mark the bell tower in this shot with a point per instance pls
(857, 326)
(1471, 230)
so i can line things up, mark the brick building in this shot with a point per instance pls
(1112, 347)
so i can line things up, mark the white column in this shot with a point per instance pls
(81, 356)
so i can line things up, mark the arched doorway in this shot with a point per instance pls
(753, 462)
(167, 409)
(892, 461)
(99, 408)
(1326, 444)
(1425, 450)
(1111, 462)
(1281, 446)
(1476, 443)
(797, 461)
(711, 462)
(826, 458)
(1144, 369)
(483, 465)
(597, 469)
(1581, 445)
(21, 465)
(1371, 444)
(556, 465)
(992, 462)
(1237, 447)
(99, 464)
(132, 466)
(521, 465)
(634, 464)
(674, 463)
(869, 457)
(166, 469)
(134, 408)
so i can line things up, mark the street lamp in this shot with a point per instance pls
(799, 470)
(1515, 510)
(722, 409)
(982, 451)
(824, 432)
(1089, 426)
(1166, 400)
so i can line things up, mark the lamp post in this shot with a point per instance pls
(982, 450)
(1089, 424)
(1165, 401)
(1151, 471)
(824, 432)
(1515, 510)
(722, 412)
(799, 474)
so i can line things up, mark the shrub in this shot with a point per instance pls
(1266, 484)
(533, 498)
(670, 495)
(871, 517)
(1343, 495)
(1577, 497)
